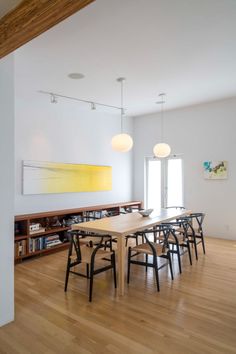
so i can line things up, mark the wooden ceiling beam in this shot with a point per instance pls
(33, 17)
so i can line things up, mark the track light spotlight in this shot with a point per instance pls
(53, 98)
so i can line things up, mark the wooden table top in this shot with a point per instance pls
(125, 224)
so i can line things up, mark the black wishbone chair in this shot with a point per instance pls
(154, 249)
(179, 240)
(87, 249)
(195, 230)
(191, 232)
(198, 218)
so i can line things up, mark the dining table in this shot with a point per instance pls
(123, 225)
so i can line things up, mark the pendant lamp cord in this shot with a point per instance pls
(162, 117)
(121, 104)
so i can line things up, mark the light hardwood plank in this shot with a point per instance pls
(195, 313)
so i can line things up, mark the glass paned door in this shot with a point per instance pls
(164, 182)
(174, 182)
(153, 184)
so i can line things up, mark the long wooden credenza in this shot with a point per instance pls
(46, 232)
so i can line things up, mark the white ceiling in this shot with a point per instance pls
(7, 5)
(186, 48)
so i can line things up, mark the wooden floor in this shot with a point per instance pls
(195, 313)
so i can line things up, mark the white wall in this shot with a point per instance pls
(7, 189)
(66, 132)
(201, 132)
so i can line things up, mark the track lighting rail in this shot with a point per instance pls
(93, 104)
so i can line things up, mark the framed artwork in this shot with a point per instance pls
(215, 169)
(50, 177)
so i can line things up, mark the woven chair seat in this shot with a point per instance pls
(145, 248)
(178, 235)
(86, 253)
(171, 238)
(181, 230)
(95, 240)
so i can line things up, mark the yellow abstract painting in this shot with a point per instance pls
(51, 177)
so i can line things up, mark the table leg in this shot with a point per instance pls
(121, 265)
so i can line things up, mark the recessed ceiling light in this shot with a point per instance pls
(76, 76)
(162, 95)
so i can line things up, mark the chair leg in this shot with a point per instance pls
(87, 270)
(128, 272)
(203, 245)
(113, 260)
(126, 241)
(170, 264)
(67, 274)
(68, 265)
(172, 247)
(189, 253)
(146, 260)
(179, 260)
(91, 282)
(195, 248)
(156, 273)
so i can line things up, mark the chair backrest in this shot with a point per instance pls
(163, 230)
(198, 217)
(76, 237)
(173, 226)
(187, 224)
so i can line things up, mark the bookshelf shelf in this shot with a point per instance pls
(21, 237)
(49, 250)
(55, 225)
(49, 231)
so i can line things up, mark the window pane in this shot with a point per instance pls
(174, 183)
(154, 184)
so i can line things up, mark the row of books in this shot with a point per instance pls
(41, 243)
(52, 240)
(20, 248)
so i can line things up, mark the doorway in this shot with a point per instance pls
(164, 182)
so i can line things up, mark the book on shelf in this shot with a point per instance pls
(52, 240)
(38, 231)
(36, 244)
(43, 242)
(53, 243)
(20, 248)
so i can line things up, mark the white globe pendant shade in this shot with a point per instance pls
(161, 150)
(122, 142)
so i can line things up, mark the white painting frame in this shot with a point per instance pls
(215, 169)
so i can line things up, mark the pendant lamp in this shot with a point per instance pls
(122, 142)
(162, 149)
